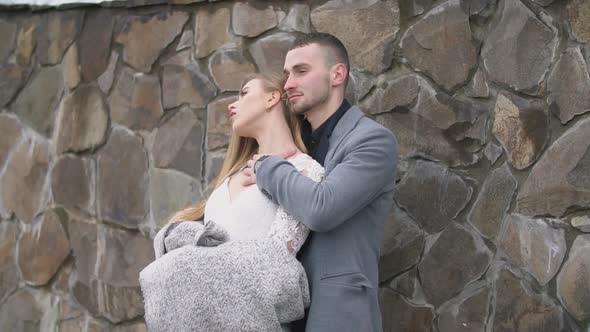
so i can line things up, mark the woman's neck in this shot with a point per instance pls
(275, 138)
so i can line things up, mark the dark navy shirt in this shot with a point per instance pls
(317, 141)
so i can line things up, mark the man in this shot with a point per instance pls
(347, 210)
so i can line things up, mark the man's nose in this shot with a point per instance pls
(289, 84)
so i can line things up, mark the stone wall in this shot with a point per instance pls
(114, 117)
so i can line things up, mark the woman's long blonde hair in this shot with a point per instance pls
(241, 149)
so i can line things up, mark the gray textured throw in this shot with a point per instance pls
(201, 282)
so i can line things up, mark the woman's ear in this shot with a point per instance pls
(273, 98)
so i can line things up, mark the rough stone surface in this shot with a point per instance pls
(573, 282)
(122, 183)
(8, 273)
(71, 183)
(297, 19)
(487, 214)
(105, 80)
(519, 49)
(42, 249)
(406, 284)
(213, 165)
(269, 52)
(582, 223)
(252, 18)
(519, 309)
(569, 86)
(534, 246)
(468, 313)
(212, 29)
(84, 242)
(409, 8)
(178, 144)
(366, 28)
(492, 152)
(542, 194)
(143, 38)
(136, 100)
(21, 312)
(399, 315)
(22, 183)
(441, 45)
(186, 85)
(186, 40)
(578, 12)
(36, 104)
(478, 87)
(95, 43)
(87, 295)
(229, 68)
(432, 195)
(59, 30)
(522, 128)
(397, 94)
(11, 130)
(25, 42)
(82, 120)
(125, 255)
(457, 258)
(12, 78)
(170, 192)
(7, 38)
(402, 245)
(218, 125)
(71, 67)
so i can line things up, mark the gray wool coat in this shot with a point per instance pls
(201, 282)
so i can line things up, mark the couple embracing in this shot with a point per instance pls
(289, 238)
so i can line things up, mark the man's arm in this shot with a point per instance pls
(350, 186)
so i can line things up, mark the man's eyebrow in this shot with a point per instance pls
(296, 66)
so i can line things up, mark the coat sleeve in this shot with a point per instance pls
(357, 180)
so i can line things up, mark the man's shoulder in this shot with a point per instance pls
(369, 128)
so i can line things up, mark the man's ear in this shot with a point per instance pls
(339, 73)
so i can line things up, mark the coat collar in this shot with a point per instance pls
(348, 121)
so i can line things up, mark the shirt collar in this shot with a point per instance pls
(328, 126)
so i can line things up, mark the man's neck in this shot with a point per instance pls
(318, 115)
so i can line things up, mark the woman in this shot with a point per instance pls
(237, 270)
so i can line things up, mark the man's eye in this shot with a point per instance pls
(243, 93)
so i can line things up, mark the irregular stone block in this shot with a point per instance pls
(8, 273)
(178, 144)
(218, 124)
(36, 103)
(487, 214)
(95, 42)
(366, 28)
(136, 101)
(573, 282)
(432, 195)
(82, 120)
(71, 183)
(507, 60)
(229, 68)
(59, 27)
(43, 248)
(252, 18)
(71, 67)
(518, 308)
(21, 312)
(12, 78)
(455, 259)
(145, 37)
(298, 19)
(553, 195)
(122, 182)
(400, 315)
(186, 85)
(534, 246)
(11, 130)
(105, 80)
(402, 244)
(269, 51)
(522, 128)
(171, 192)
(578, 12)
(212, 29)
(440, 44)
(7, 38)
(22, 185)
(467, 313)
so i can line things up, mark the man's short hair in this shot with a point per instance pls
(337, 54)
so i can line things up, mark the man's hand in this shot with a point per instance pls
(249, 170)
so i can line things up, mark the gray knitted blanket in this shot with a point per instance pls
(201, 282)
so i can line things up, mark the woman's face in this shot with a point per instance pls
(250, 107)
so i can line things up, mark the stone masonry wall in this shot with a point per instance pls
(112, 118)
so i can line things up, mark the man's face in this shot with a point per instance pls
(308, 83)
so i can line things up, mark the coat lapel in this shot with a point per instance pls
(344, 126)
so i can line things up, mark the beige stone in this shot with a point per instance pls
(212, 29)
(252, 18)
(71, 67)
(218, 124)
